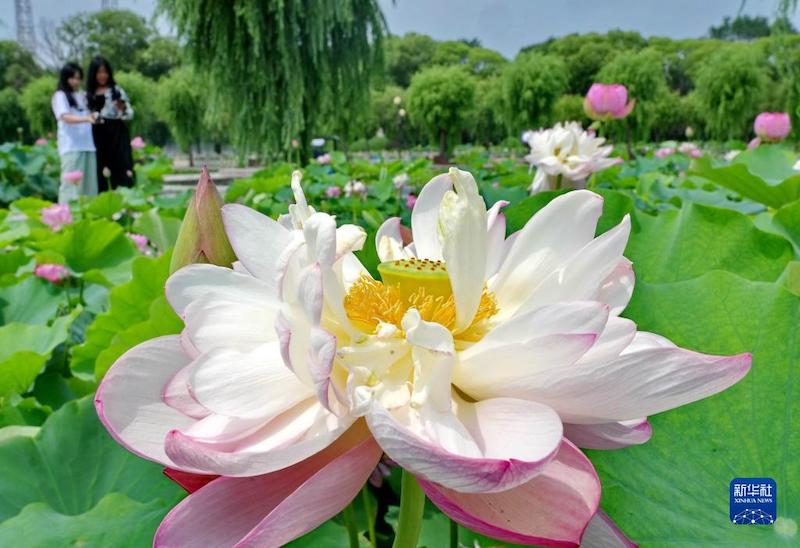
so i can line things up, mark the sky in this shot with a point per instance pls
(503, 25)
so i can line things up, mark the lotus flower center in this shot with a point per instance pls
(412, 283)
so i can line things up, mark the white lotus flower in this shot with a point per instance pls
(478, 363)
(565, 155)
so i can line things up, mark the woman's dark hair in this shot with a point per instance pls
(91, 78)
(68, 71)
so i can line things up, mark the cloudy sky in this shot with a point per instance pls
(504, 25)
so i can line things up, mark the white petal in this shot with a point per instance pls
(257, 240)
(462, 232)
(425, 217)
(198, 280)
(246, 384)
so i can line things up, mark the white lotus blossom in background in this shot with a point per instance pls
(565, 155)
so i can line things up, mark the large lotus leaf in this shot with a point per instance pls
(130, 307)
(116, 521)
(24, 349)
(681, 244)
(763, 174)
(89, 245)
(673, 490)
(65, 475)
(32, 300)
(162, 231)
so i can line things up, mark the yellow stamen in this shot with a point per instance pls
(370, 302)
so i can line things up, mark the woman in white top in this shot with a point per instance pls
(75, 143)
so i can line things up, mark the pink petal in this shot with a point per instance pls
(129, 399)
(275, 508)
(425, 217)
(552, 509)
(516, 438)
(610, 435)
(602, 532)
(177, 394)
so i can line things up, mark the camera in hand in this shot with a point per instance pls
(115, 94)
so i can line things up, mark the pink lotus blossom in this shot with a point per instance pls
(73, 176)
(772, 127)
(690, 149)
(333, 191)
(41, 141)
(400, 181)
(53, 273)
(608, 101)
(324, 159)
(137, 143)
(56, 216)
(410, 201)
(141, 242)
(663, 152)
(355, 188)
(297, 370)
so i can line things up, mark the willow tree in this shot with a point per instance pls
(285, 70)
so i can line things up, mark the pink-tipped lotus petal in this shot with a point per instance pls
(129, 400)
(637, 384)
(552, 509)
(190, 482)
(610, 435)
(602, 532)
(285, 440)
(275, 508)
(516, 439)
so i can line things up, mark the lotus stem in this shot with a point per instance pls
(412, 504)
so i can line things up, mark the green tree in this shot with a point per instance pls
(440, 100)
(118, 35)
(485, 62)
(406, 55)
(569, 108)
(284, 69)
(143, 93)
(161, 55)
(13, 124)
(384, 114)
(742, 27)
(36, 102)
(181, 105)
(451, 52)
(17, 65)
(729, 86)
(489, 125)
(531, 85)
(642, 72)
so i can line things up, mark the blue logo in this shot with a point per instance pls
(754, 501)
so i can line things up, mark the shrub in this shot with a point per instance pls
(143, 93)
(13, 123)
(568, 108)
(440, 101)
(36, 102)
(531, 85)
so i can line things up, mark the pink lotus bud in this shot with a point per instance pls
(772, 126)
(137, 143)
(141, 242)
(333, 191)
(41, 141)
(410, 201)
(73, 176)
(355, 188)
(400, 181)
(56, 216)
(324, 159)
(202, 237)
(754, 143)
(663, 152)
(607, 101)
(53, 273)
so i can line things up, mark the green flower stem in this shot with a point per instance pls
(370, 521)
(349, 515)
(453, 534)
(412, 503)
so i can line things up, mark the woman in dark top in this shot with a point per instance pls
(111, 137)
